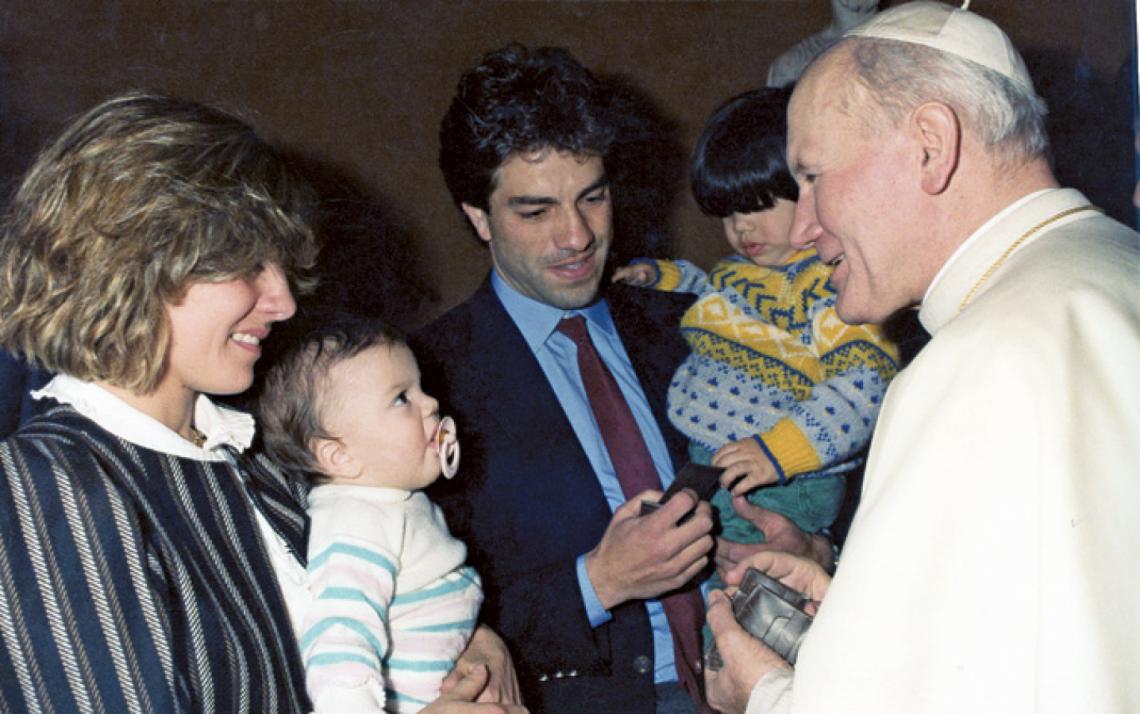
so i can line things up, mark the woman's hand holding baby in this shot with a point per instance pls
(467, 684)
(488, 652)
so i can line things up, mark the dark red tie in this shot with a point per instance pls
(685, 609)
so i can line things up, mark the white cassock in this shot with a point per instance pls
(992, 564)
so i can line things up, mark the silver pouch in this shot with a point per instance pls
(769, 611)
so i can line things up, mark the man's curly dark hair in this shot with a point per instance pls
(519, 100)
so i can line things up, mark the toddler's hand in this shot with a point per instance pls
(745, 465)
(637, 274)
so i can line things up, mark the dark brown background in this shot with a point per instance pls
(357, 89)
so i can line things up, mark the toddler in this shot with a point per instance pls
(777, 390)
(393, 603)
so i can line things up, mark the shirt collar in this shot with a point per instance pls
(984, 247)
(222, 426)
(537, 320)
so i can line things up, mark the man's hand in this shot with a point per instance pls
(800, 574)
(779, 534)
(745, 463)
(638, 274)
(642, 557)
(746, 659)
(467, 682)
(486, 651)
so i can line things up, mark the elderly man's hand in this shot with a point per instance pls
(800, 574)
(780, 534)
(746, 659)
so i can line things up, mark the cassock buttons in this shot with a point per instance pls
(642, 664)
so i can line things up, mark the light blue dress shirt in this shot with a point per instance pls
(558, 357)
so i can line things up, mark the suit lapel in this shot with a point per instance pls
(647, 323)
(537, 422)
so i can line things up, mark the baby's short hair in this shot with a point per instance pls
(290, 404)
(738, 165)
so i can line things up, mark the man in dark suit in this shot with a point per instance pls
(575, 578)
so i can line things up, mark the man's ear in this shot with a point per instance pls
(334, 459)
(939, 134)
(480, 220)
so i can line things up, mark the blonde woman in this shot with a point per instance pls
(147, 254)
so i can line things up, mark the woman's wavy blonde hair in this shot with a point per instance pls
(138, 198)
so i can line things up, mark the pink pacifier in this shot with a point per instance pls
(446, 444)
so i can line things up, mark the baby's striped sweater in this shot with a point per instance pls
(394, 604)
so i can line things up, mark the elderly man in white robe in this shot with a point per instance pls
(990, 566)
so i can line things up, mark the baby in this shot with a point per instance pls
(393, 603)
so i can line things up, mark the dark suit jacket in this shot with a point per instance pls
(17, 381)
(526, 500)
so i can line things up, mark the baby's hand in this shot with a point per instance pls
(638, 274)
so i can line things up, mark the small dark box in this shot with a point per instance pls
(704, 481)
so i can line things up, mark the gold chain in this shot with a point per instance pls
(1014, 245)
(197, 438)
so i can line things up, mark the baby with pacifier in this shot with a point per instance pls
(393, 602)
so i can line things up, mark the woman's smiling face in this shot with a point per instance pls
(216, 331)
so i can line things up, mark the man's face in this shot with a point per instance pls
(856, 191)
(549, 226)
